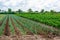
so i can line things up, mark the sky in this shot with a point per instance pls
(33, 4)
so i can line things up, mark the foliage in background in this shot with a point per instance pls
(19, 11)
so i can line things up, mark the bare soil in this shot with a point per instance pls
(27, 37)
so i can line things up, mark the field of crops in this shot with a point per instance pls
(15, 25)
(47, 18)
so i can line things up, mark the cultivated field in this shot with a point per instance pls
(20, 27)
(47, 18)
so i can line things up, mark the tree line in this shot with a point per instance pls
(28, 11)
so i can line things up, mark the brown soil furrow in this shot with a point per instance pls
(17, 32)
(7, 29)
(24, 28)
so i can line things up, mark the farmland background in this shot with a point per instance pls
(19, 23)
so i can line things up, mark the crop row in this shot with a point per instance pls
(48, 19)
(25, 26)
(2, 26)
(35, 27)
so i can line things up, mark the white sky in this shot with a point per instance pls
(33, 4)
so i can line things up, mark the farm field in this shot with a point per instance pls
(14, 27)
(29, 20)
(47, 18)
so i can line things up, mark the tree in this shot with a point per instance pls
(0, 10)
(30, 10)
(36, 12)
(42, 11)
(20, 11)
(9, 10)
(52, 11)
